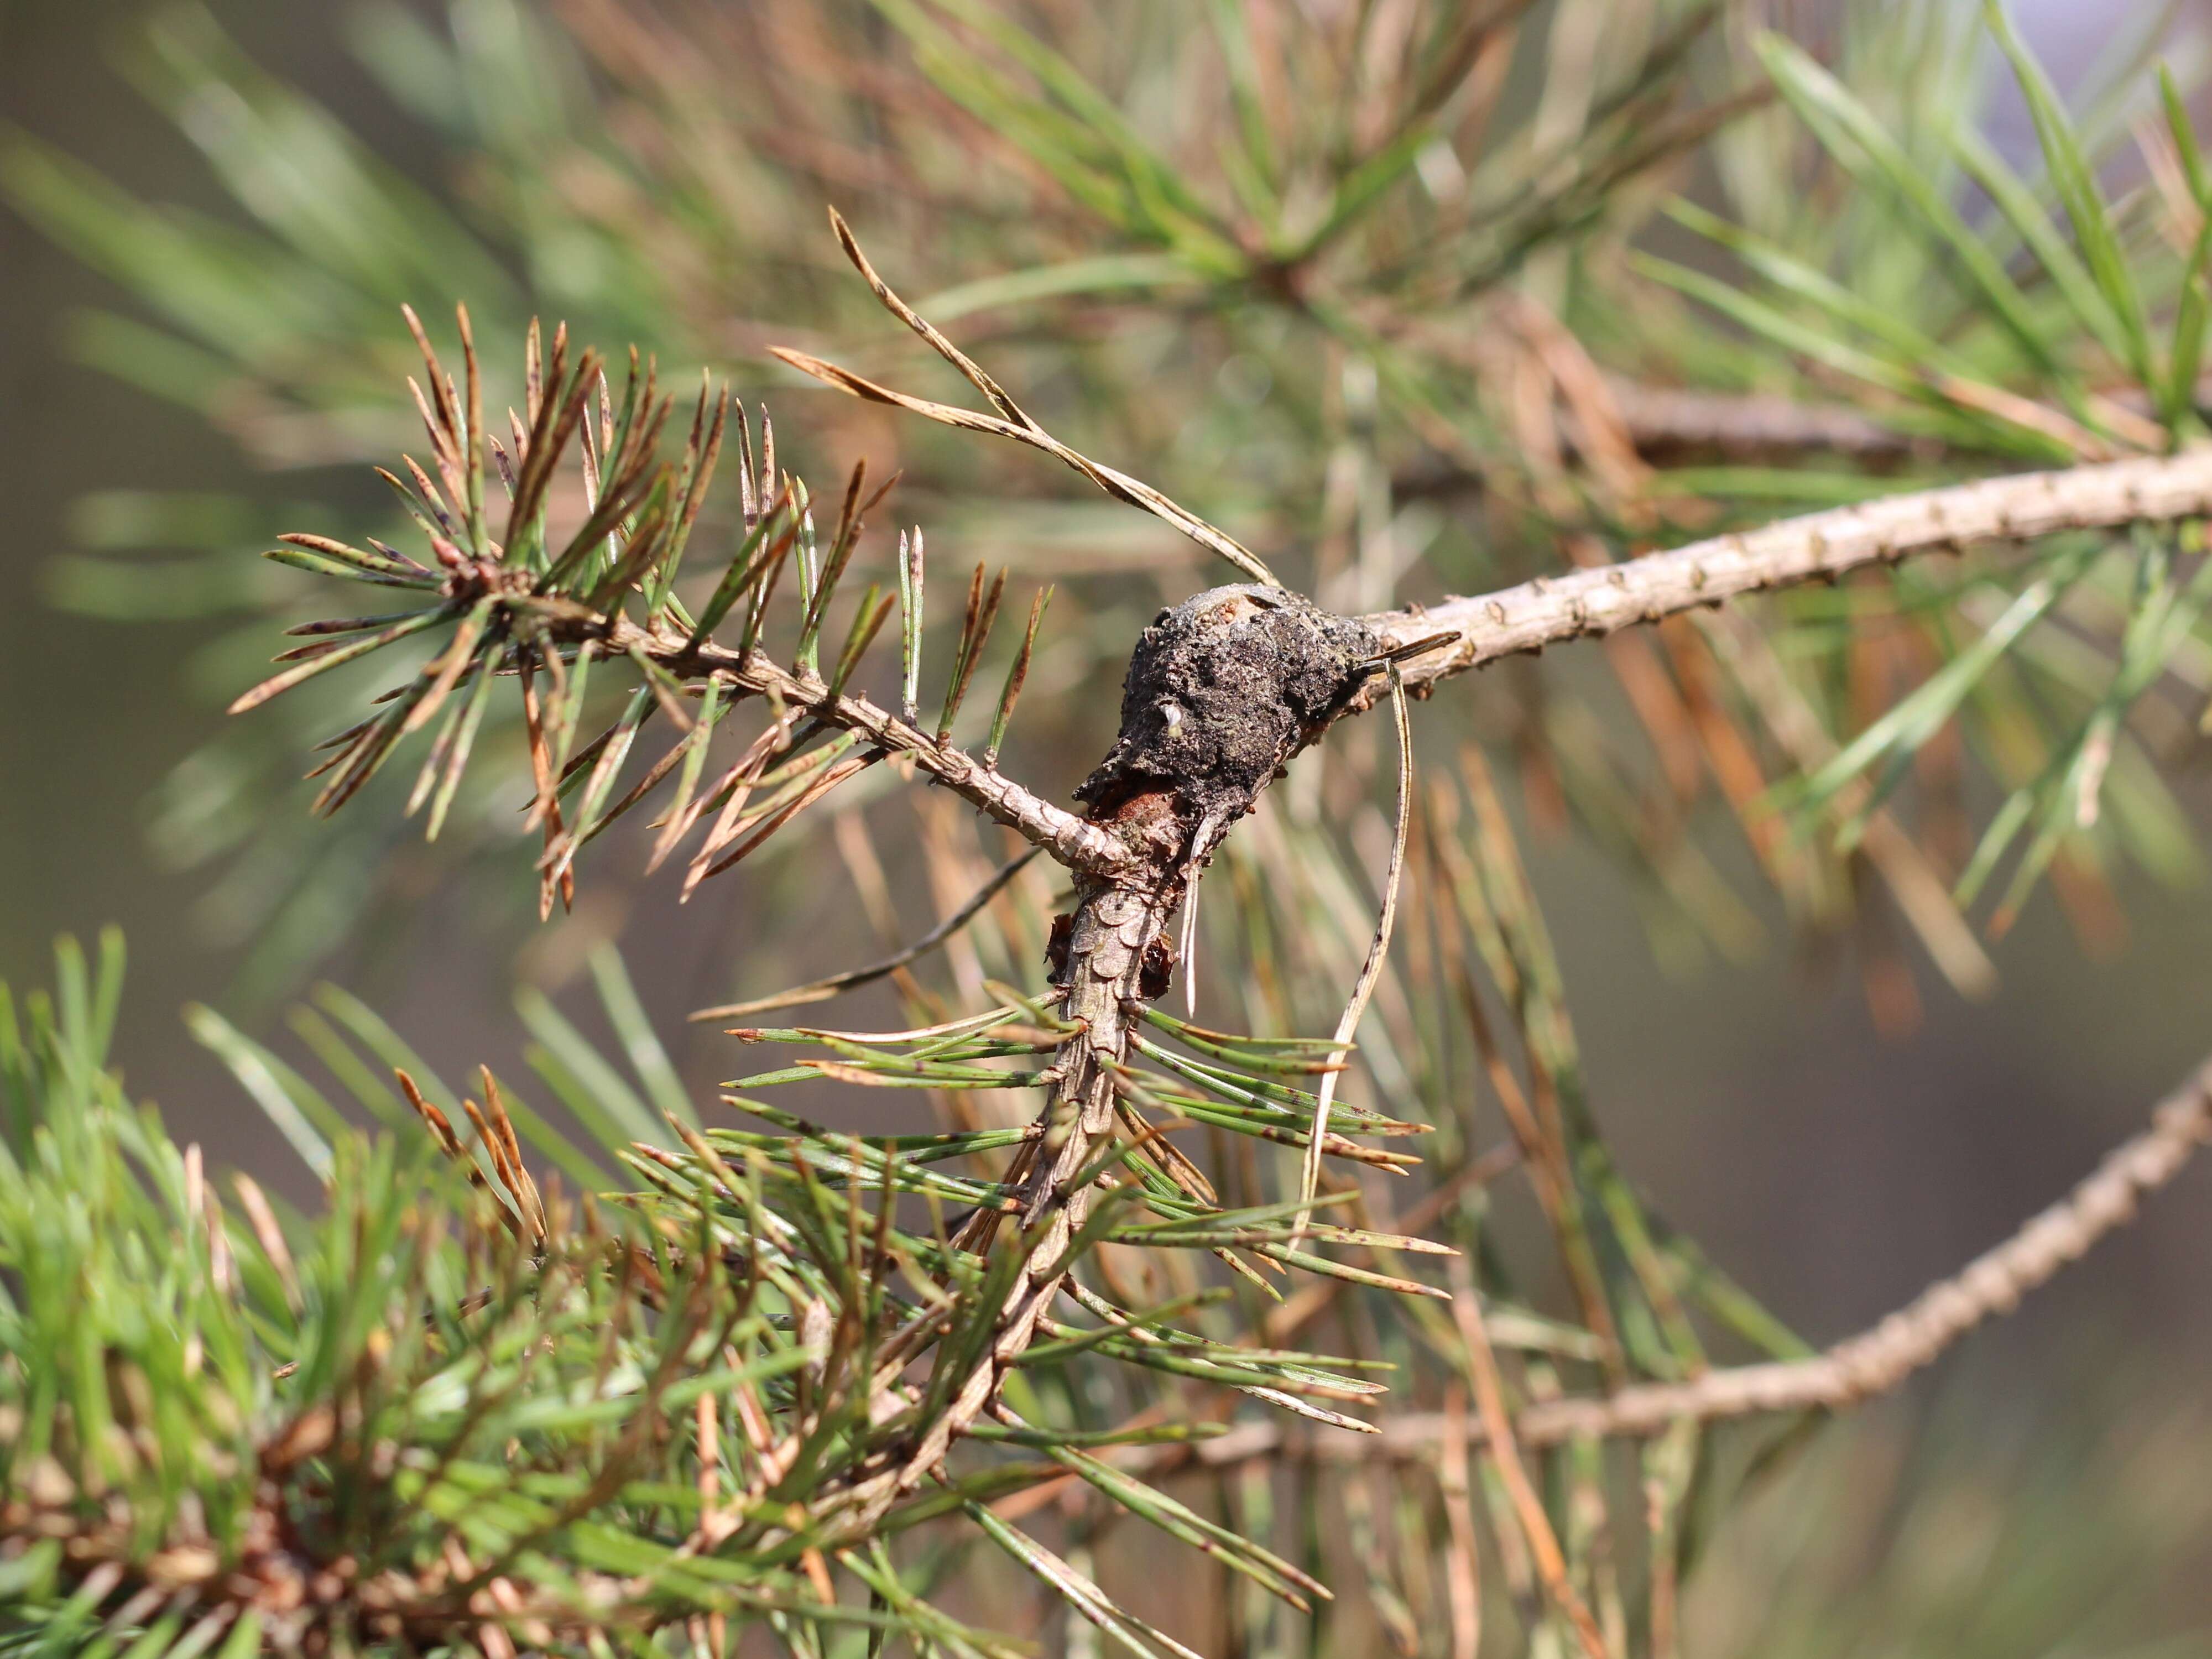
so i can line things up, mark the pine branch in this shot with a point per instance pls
(1106, 969)
(1074, 843)
(519, 604)
(1207, 683)
(1220, 692)
(1158, 807)
(1819, 546)
(1259, 670)
(1666, 422)
(1858, 1368)
(1664, 419)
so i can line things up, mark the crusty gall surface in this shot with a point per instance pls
(1221, 690)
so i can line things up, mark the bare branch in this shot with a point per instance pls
(1855, 1369)
(1665, 420)
(1551, 610)
(1661, 418)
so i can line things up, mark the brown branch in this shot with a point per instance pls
(1661, 420)
(1855, 1369)
(1129, 886)
(1158, 814)
(1113, 927)
(1072, 841)
(1265, 666)
(1599, 600)
(1656, 425)
(1552, 610)
(1129, 890)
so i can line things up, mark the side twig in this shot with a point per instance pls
(1073, 842)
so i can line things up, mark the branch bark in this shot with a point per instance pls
(1132, 874)
(1074, 842)
(1552, 610)
(1872, 1363)
(1221, 691)
(1661, 419)
(1663, 423)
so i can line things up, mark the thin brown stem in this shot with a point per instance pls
(1072, 841)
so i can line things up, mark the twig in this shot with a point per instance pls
(1125, 897)
(1744, 423)
(1072, 842)
(1551, 610)
(1132, 869)
(1663, 422)
(1877, 1360)
(1112, 926)
(1870, 1364)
